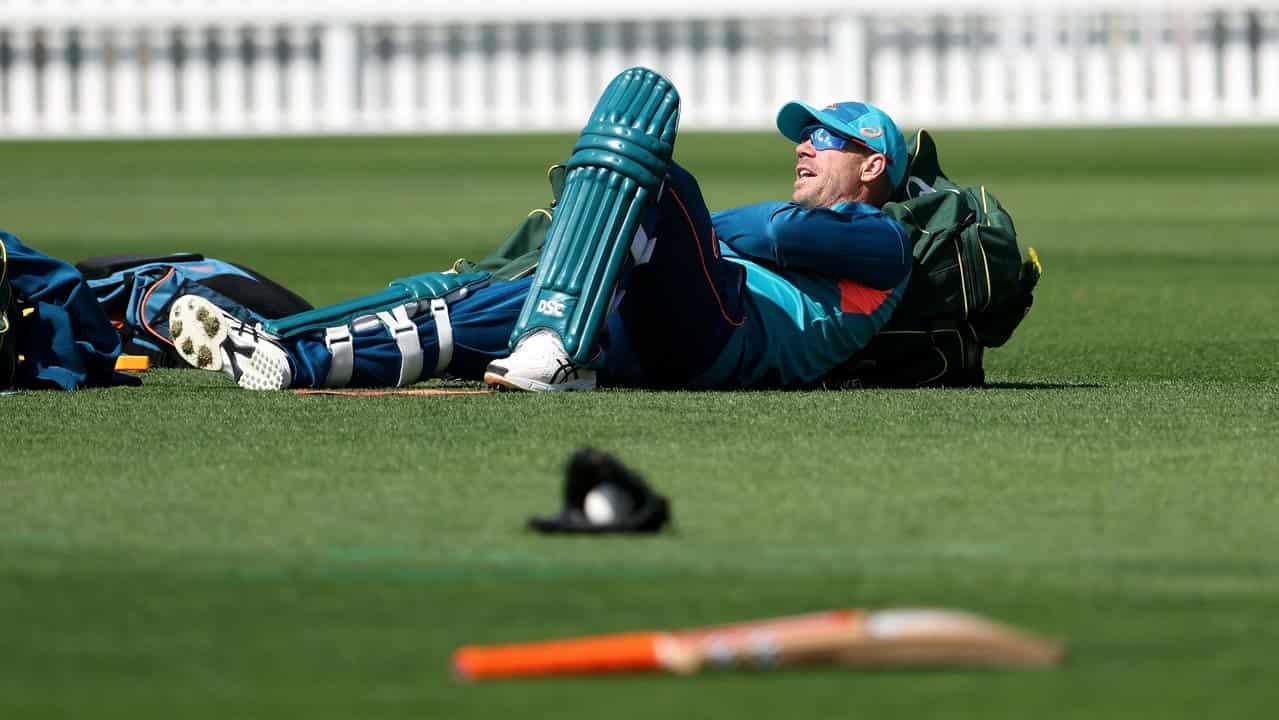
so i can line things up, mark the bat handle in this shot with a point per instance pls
(625, 652)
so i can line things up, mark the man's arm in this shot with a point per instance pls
(857, 242)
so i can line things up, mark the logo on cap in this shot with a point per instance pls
(871, 132)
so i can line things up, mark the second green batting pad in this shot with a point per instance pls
(616, 170)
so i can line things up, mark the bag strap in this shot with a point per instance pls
(96, 268)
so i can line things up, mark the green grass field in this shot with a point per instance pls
(188, 549)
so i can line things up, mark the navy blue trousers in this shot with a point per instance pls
(678, 306)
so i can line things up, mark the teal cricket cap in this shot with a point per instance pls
(862, 123)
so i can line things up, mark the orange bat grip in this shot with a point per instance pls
(627, 652)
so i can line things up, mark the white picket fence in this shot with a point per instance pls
(86, 68)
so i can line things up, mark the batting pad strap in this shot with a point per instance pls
(443, 334)
(342, 356)
(404, 332)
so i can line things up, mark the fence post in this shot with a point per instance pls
(22, 82)
(1201, 58)
(1027, 44)
(785, 66)
(922, 70)
(161, 112)
(679, 68)
(367, 96)
(126, 82)
(472, 86)
(1061, 39)
(230, 81)
(539, 77)
(716, 79)
(403, 80)
(1268, 65)
(194, 78)
(90, 116)
(1131, 48)
(437, 67)
(992, 69)
(1098, 75)
(57, 82)
(957, 61)
(300, 85)
(506, 78)
(1167, 64)
(817, 71)
(575, 77)
(752, 91)
(645, 51)
(338, 65)
(1236, 67)
(888, 69)
(848, 50)
(265, 72)
(611, 58)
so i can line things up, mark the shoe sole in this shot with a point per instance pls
(200, 334)
(198, 331)
(267, 369)
(505, 382)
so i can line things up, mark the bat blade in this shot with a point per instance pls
(945, 638)
(884, 638)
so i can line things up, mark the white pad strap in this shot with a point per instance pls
(401, 327)
(342, 350)
(443, 333)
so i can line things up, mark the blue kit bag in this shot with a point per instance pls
(53, 334)
(136, 292)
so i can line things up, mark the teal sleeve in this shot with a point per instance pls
(853, 240)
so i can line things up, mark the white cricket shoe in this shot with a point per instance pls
(539, 364)
(210, 338)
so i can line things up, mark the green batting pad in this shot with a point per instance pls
(617, 168)
(426, 286)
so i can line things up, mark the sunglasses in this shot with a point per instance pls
(824, 139)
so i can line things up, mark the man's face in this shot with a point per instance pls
(824, 178)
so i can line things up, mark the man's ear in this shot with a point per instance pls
(875, 167)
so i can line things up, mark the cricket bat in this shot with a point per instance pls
(863, 638)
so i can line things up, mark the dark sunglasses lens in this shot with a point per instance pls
(824, 139)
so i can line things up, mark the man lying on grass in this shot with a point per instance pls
(638, 283)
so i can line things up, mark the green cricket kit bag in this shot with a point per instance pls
(136, 291)
(518, 255)
(969, 289)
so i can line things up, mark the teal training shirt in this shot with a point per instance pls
(820, 282)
